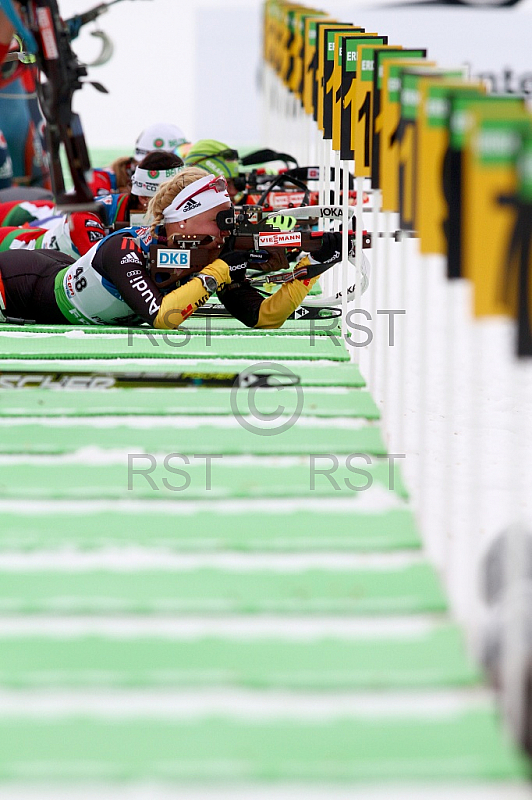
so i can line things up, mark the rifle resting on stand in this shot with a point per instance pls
(187, 253)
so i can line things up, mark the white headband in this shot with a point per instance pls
(192, 200)
(146, 181)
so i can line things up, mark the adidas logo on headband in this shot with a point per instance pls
(190, 205)
(199, 196)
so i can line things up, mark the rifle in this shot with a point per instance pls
(265, 156)
(187, 253)
(289, 188)
(257, 176)
(48, 38)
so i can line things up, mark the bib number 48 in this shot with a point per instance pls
(80, 283)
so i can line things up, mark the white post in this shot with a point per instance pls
(358, 254)
(423, 300)
(403, 345)
(373, 288)
(383, 354)
(321, 163)
(516, 611)
(328, 278)
(447, 528)
(335, 223)
(345, 258)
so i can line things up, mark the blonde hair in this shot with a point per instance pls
(170, 189)
(121, 167)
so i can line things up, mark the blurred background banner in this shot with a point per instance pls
(198, 64)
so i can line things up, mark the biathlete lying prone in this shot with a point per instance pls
(111, 283)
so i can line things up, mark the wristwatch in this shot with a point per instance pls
(209, 282)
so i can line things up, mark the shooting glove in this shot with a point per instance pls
(277, 260)
(330, 251)
(238, 262)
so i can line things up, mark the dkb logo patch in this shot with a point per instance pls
(173, 258)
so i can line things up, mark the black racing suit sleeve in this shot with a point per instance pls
(125, 265)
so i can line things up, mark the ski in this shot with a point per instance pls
(70, 380)
(301, 313)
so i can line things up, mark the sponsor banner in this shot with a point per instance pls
(291, 239)
(285, 199)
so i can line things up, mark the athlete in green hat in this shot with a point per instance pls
(216, 158)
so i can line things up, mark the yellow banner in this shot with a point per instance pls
(310, 61)
(391, 114)
(336, 85)
(325, 33)
(381, 56)
(408, 135)
(295, 75)
(490, 174)
(349, 87)
(433, 141)
(332, 67)
(361, 134)
(462, 110)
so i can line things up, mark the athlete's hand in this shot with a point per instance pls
(317, 262)
(239, 261)
(330, 251)
(277, 260)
